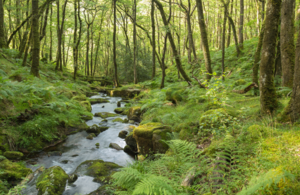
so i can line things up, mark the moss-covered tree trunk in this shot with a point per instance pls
(2, 34)
(153, 38)
(257, 55)
(35, 39)
(223, 42)
(287, 45)
(134, 44)
(268, 100)
(241, 24)
(204, 40)
(171, 40)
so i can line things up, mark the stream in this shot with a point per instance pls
(77, 149)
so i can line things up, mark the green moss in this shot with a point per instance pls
(13, 171)
(122, 110)
(175, 94)
(118, 120)
(52, 181)
(146, 130)
(87, 117)
(239, 82)
(98, 100)
(134, 113)
(256, 131)
(80, 98)
(105, 114)
(86, 105)
(3, 143)
(13, 155)
(2, 158)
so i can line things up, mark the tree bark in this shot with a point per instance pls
(268, 100)
(223, 42)
(241, 24)
(35, 39)
(287, 45)
(116, 80)
(204, 40)
(257, 55)
(2, 34)
(134, 44)
(153, 38)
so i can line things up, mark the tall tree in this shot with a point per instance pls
(153, 38)
(116, 80)
(35, 39)
(204, 40)
(2, 34)
(268, 100)
(223, 40)
(287, 46)
(241, 24)
(134, 44)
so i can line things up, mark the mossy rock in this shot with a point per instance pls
(175, 94)
(2, 158)
(52, 181)
(98, 169)
(149, 136)
(98, 100)
(80, 98)
(103, 190)
(239, 82)
(13, 171)
(187, 130)
(87, 117)
(129, 93)
(256, 131)
(212, 106)
(115, 146)
(94, 129)
(86, 105)
(103, 128)
(122, 110)
(89, 94)
(134, 113)
(13, 155)
(91, 136)
(123, 134)
(105, 114)
(131, 142)
(118, 120)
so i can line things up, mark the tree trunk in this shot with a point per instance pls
(287, 45)
(58, 53)
(268, 100)
(241, 24)
(229, 26)
(223, 42)
(87, 64)
(116, 80)
(35, 39)
(173, 46)
(204, 40)
(278, 65)
(153, 38)
(134, 44)
(2, 34)
(50, 52)
(257, 55)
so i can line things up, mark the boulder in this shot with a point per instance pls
(98, 100)
(12, 171)
(103, 128)
(122, 110)
(118, 120)
(94, 129)
(129, 93)
(72, 178)
(134, 114)
(80, 98)
(91, 136)
(105, 115)
(123, 134)
(175, 95)
(119, 104)
(52, 181)
(98, 169)
(87, 117)
(149, 136)
(89, 94)
(131, 143)
(13, 155)
(115, 146)
(2, 158)
(97, 144)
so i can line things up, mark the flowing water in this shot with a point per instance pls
(77, 149)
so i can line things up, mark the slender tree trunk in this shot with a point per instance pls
(2, 34)
(153, 38)
(229, 26)
(35, 39)
(204, 40)
(134, 44)
(58, 53)
(287, 45)
(241, 24)
(257, 55)
(268, 100)
(223, 42)
(50, 55)
(116, 80)
(23, 44)
(26, 49)
(87, 65)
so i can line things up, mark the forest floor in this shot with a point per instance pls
(220, 141)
